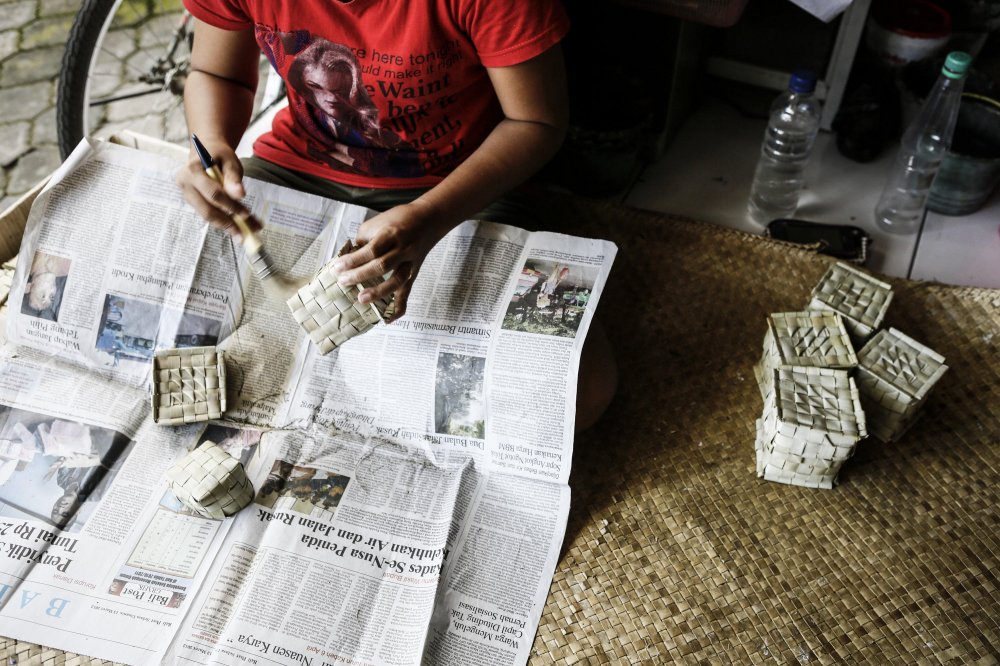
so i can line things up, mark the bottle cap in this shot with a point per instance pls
(956, 64)
(802, 81)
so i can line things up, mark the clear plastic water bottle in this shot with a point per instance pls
(900, 209)
(788, 140)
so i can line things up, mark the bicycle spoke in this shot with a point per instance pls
(123, 96)
(145, 58)
(146, 44)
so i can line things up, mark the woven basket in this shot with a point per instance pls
(811, 423)
(330, 312)
(211, 482)
(189, 385)
(803, 339)
(860, 298)
(895, 375)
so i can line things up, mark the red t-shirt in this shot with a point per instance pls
(386, 93)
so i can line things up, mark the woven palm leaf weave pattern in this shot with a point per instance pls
(330, 312)
(805, 363)
(675, 552)
(189, 385)
(211, 482)
(895, 376)
(803, 339)
(859, 297)
(811, 423)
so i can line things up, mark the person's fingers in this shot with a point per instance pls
(358, 257)
(399, 304)
(398, 280)
(210, 199)
(369, 229)
(220, 220)
(365, 264)
(216, 195)
(232, 175)
(211, 213)
(369, 249)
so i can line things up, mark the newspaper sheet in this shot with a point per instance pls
(411, 486)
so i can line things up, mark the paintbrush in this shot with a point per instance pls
(260, 261)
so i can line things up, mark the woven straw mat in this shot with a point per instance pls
(676, 552)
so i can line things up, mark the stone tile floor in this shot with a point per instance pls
(32, 35)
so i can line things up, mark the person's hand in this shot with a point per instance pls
(216, 202)
(395, 241)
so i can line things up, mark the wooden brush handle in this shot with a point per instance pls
(251, 243)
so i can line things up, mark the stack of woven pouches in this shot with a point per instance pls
(820, 396)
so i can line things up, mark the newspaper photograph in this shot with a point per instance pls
(410, 488)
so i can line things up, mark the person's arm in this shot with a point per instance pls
(535, 105)
(218, 102)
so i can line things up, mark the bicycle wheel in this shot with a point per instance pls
(124, 67)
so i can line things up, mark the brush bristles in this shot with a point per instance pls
(262, 264)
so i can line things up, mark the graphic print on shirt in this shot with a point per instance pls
(334, 110)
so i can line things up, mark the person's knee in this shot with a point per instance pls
(598, 378)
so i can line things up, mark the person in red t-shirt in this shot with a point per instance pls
(428, 111)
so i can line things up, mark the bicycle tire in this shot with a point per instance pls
(112, 77)
(72, 97)
(71, 91)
